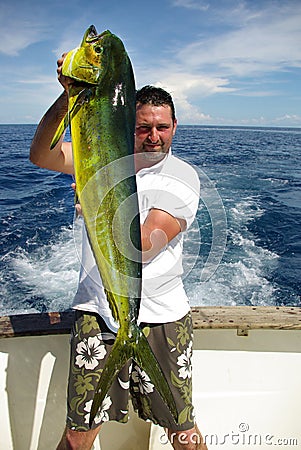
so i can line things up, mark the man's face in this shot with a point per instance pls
(154, 132)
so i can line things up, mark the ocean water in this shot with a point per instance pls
(244, 248)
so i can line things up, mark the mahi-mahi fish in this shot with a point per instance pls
(102, 114)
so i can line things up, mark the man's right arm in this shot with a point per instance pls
(60, 157)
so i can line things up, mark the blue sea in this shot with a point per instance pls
(244, 248)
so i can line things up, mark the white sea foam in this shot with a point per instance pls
(241, 280)
(51, 271)
(242, 277)
(233, 284)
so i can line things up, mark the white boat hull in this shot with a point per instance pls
(247, 390)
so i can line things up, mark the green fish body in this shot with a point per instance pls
(102, 115)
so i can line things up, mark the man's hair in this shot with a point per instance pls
(152, 95)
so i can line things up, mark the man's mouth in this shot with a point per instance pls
(151, 145)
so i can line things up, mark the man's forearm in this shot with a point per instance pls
(152, 242)
(40, 153)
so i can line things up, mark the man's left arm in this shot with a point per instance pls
(173, 209)
(157, 231)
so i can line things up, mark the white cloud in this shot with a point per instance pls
(255, 93)
(287, 120)
(198, 85)
(246, 41)
(228, 47)
(190, 114)
(186, 89)
(19, 29)
(192, 4)
(291, 119)
(181, 87)
(266, 42)
(46, 80)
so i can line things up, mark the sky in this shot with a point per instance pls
(225, 62)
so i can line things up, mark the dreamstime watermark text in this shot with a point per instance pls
(241, 437)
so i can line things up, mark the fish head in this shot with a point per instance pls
(88, 62)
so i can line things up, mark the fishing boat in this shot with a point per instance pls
(246, 372)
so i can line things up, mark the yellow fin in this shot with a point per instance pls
(61, 129)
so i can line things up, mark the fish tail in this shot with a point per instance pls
(138, 348)
(117, 358)
(146, 360)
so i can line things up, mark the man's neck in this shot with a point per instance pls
(141, 162)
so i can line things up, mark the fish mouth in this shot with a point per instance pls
(93, 36)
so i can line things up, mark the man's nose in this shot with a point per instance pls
(153, 135)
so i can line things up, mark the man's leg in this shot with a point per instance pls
(90, 344)
(187, 440)
(78, 440)
(172, 346)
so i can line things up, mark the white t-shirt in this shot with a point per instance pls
(173, 186)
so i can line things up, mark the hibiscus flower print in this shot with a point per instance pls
(83, 384)
(89, 352)
(142, 381)
(184, 331)
(90, 323)
(102, 414)
(184, 361)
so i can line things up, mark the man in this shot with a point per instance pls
(168, 198)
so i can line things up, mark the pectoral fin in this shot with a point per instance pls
(84, 96)
(59, 132)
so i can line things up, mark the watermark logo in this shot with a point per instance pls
(242, 437)
(116, 176)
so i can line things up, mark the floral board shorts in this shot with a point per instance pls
(91, 342)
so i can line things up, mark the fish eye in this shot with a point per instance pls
(98, 49)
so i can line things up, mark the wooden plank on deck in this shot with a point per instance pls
(247, 317)
(204, 317)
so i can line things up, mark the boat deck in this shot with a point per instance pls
(246, 371)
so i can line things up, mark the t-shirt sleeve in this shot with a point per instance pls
(179, 194)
